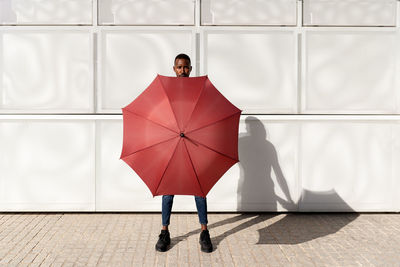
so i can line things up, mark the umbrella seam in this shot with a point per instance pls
(191, 162)
(195, 106)
(169, 102)
(166, 168)
(204, 126)
(148, 147)
(150, 120)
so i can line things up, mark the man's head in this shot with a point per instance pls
(182, 65)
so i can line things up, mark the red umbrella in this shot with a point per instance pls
(180, 135)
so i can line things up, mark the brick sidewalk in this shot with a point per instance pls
(267, 239)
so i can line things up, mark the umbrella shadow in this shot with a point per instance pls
(296, 228)
(292, 228)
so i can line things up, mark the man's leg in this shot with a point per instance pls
(201, 205)
(164, 239)
(205, 240)
(166, 209)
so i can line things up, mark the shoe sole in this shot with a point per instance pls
(161, 250)
(206, 250)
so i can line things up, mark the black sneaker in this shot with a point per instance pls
(205, 241)
(163, 241)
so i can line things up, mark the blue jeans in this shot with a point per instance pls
(201, 204)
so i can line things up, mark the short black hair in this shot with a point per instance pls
(182, 56)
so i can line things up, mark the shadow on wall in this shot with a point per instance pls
(258, 157)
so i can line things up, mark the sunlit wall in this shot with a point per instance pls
(318, 82)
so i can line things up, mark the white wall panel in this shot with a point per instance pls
(146, 12)
(350, 12)
(255, 69)
(350, 72)
(118, 187)
(132, 59)
(248, 12)
(45, 12)
(47, 165)
(46, 71)
(347, 165)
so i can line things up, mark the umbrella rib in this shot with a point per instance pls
(159, 182)
(151, 121)
(147, 147)
(222, 154)
(169, 101)
(204, 126)
(191, 162)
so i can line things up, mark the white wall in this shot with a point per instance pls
(318, 82)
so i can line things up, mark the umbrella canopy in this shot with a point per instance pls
(180, 135)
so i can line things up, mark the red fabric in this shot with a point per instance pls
(168, 163)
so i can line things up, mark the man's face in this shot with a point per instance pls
(182, 67)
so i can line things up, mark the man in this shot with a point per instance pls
(182, 68)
